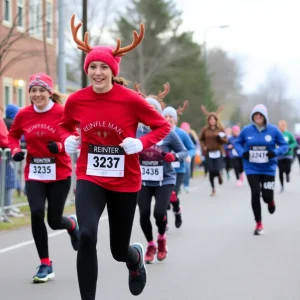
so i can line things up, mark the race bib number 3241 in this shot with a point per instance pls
(42, 169)
(105, 161)
(258, 154)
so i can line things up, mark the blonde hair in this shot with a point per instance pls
(120, 80)
(57, 98)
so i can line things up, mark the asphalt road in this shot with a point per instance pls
(213, 256)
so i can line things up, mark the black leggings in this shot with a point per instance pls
(192, 167)
(263, 184)
(284, 166)
(162, 197)
(237, 164)
(178, 184)
(56, 194)
(91, 200)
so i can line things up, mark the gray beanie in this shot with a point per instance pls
(170, 111)
(154, 102)
(259, 108)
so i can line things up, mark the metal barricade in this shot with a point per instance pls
(10, 169)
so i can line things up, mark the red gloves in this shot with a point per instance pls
(169, 157)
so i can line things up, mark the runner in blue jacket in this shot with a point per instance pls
(170, 114)
(257, 145)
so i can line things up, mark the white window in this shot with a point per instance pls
(21, 15)
(35, 18)
(49, 20)
(7, 13)
(21, 100)
(7, 91)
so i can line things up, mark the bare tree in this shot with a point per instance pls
(100, 15)
(226, 76)
(10, 50)
(273, 94)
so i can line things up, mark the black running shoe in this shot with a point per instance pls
(272, 207)
(138, 275)
(74, 235)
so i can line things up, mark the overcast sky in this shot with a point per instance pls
(263, 33)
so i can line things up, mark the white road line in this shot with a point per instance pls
(24, 244)
(56, 233)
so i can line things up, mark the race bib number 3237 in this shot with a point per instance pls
(42, 169)
(105, 161)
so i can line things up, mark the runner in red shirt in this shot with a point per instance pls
(48, 167)
(3, 135)
(108, 171)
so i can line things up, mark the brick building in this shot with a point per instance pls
(31, 22)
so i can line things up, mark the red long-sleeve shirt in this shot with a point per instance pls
(3, 135)
(106, 120)
(39, 128)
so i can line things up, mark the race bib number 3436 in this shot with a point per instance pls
(105, 161)
(152, 171)
(42, 169)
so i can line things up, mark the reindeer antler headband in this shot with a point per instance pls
(137, 89)
(207, 113)
(161, 95)
(181, 109)
(99, 53)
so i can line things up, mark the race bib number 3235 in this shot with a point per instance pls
(42, 169)
(105, 161)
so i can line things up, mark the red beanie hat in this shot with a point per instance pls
(43, 80)
(185, 126)
(108, 55)
(105, 55)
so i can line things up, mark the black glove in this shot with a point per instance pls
(271, 154)
(19, 156)
(246, 155)
(53, 147)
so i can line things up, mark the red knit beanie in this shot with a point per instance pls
(108, 55)
(105, 55)
(43, 80)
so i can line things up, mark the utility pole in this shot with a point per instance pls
(61, 45)
(84, 81)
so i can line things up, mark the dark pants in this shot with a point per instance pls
(263, 184)
(91, 200)
(162, 197)
(56, 194)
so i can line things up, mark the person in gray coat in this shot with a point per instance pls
(158, 180)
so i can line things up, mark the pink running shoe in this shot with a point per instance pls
(242, 177)
(162, 249)
(150, 253)
(239, 183)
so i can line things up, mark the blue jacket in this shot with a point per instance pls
(232, 152)
(171, 143)
(188, 144)
(267, 140)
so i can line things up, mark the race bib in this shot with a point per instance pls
(105, 161)
(42, 169)
(258, 154)
(214, 154)
(234, 153)
(152, 171)
(175, 164)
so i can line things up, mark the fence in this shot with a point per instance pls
(12, 184)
